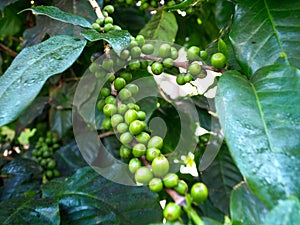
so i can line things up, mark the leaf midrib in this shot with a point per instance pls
(262, 116)
(275, 32)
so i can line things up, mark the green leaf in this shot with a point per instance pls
(87, 198)
(182, 5)
(245, 208)
(118, 39)
(266, 32)
(10, 24)
(55, 13)
(261, 122)
(162, 26)
(23, 175)
(28, 211)
(220, 177)
(23, 80)
(287, 212)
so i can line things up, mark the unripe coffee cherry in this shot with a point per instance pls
(143, 175)
(168, 62)
(152, 153)
(170, 180)
(107, 64)
(125, 94)
(141, 115)
(119, 83)
(108, 20)
(110, 77)
(143, 137)
(130, 116)
(134, 65)
(135, 52)
(96, 26)
(134, 164)
(155, 142)
(125, 152)
(108, 27)
(122, 108)
(156, 185)
(127, 76)
(105, 92)
(133, 106)
(193, 53)
(188, 78)
(136, 127)
(100, 21)
(203, 55)
(180, 79)
(174, 53)
(199, 192)
(140, 39)
(195, 69)
(181, 187)
(101, 73)
(126, 138)
(139, 150)
(122, 128)
(109, 8)
(109, 109)
(106, 123)
(110, 100)
(157, 68)
(116, 119)
(125, 54)
(218, 60)
(160, 166)
(172, 211)
(148, 49)
(133, 88)
(100, 104)
(164, 51)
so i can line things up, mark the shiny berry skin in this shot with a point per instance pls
(138, 150)
(105, 92)
(199, 192)
(148, 49)
(109, 109)
(125, 152)
(136, 127)
(203, 55)
(108, 20)
(127, 76)
(164, 51)
(143, 175)
(218, 60)
(181, 187)
(122, 128)
(174, 53)
(110, 77)
(188, 78)
(143, 137)
(134, 164)
(160, 166)
(194, 69)
(108, 27)
(152, 153)
(134, 65)
(110, 100)
(125, 94)
(130, 116)
(109, 8)
(155, 142)
(100, 21)
(135, 52)
(96, 26)
(49, 174)
(100, 104)
(125, 54)
(106, 123)
(193, 53)
(107, 64)
(122, 108)
(140, 39)
(180, 79)
(141, 115)
(119, 83)
(156, 185)
(157, 68)
(172, 211)
(116, 119)
(133, 88)
(126, 138)
(168, 62)
(101, 73)
(170, 180)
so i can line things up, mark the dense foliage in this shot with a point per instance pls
(149, 112)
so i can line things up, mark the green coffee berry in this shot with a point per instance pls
(193, 53)
(122, 108)
(152, 153)
(172, 211)
(122, 127)
(105, 92)
(127, 76)
(160, 166)
(174, 53)
(139, 150)
(107, 64)
(109, 8)
(136, 127)
(157, 68)
(109, 109)
(140, 39)
(134, 165)
(110, 100)
(133, 88)
(126, 138)
(106, 123)
(119, 83)
(203, 55)
(218, 60)
(141, 115)
(170, 180)
(143, 137)
(125, 152)
(96, 26)
(164, 51)
(143, 175)
(130, 116)
(156, 185)
(135, 52)
(116, 119)
(134, 65)
(155, 142)
(108, 27)
(180, 79)
(148, 49)
(194, 69)
(125, 94)
(168, 62)
(181, 187)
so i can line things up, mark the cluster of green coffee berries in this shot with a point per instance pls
(105, 24)
(43, 154)
(139, 148)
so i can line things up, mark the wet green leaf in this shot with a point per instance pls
(118, 39)
(261, 122)
(57, 14)
(88, 198)
(23, 80)
(162, 26)
(266, 32)
(28, 211)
